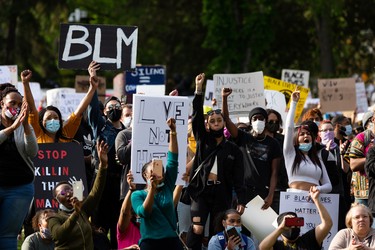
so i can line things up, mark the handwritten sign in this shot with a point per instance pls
(149, 75)
(304, 207)
(65, 99)
(287, 89)
(151, 136)
(299, 77)
(337, 94)
(57, 162)
(362, 104)
(247, 91)
(209, 93)
(114, 47)
(82, 85)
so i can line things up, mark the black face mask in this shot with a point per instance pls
(217, 133)
(114, 115)
(273, 127)
(292, 234)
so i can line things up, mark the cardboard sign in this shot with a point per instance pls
(362, 104)
(337, 94)
(82, 85)
(65, 99)
(247, 92)
(287, 89)
(304, 207)
(114, 47)
(149, 75)
(57, 162)
(151, 136)
(299, 77)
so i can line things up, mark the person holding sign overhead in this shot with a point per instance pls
(70, 227)
(289, 230)
(304, 167)
(17, 146)
(217, 170)
(48, 125)
(155, 204)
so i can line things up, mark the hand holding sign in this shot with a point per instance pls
(93, 67)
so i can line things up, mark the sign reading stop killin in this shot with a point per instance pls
(114, 47)
(57, 162)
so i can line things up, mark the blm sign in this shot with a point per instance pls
(114, 47)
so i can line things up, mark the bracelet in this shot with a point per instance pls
(173, 133)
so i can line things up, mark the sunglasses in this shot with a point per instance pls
(216, 111)
(64, 192)
(114, 106)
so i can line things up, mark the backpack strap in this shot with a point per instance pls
(221, 238)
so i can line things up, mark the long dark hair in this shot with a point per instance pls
(313, 153)
(59, 133)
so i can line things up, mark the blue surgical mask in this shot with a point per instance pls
(237, 228)
(348, 129)
(305, 147)
(317, 123)
(52, 126)
(46, 233)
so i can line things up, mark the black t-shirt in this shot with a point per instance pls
(306, 241)
(14, 171)
(262, 152)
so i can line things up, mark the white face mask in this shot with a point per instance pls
(258, 126)
(370, 126)
(127, 121)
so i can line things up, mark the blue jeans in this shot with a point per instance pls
(14, 205)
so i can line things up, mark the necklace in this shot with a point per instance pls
(259, 140)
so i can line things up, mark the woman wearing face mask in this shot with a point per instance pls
(217, 170)
(17, 146)
(303, 164)
(70, 227)
(227, 241)
(48, 125)
(261, 154)
(42, 238)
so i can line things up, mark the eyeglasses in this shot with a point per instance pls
(114, 106)
(326, 130)
(65, 191)
(216, 111)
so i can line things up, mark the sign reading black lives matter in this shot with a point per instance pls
(114, 47)
(57, 162)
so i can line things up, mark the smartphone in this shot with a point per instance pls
(294, 221)
(232, 231)
(157, 168)
(78, 190)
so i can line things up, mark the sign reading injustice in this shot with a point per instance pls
(57, 162)
(114, 47)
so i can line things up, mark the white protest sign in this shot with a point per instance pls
(5, 76)
(154, 90)
(258, 221)
(362, 104)
(299, 77)
(35, 89)
(209, 94)
(65, 99)
(276, 101)
(303, 206)
(150, 138)
(247, 91)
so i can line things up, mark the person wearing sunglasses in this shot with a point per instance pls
(107, 129)
(217, 170)
(261, 153)
(70, 227)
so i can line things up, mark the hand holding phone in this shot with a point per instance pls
(157, 168)
(232, 232)
(78, 190)
(294, 221)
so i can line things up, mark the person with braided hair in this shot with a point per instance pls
(18, 146)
